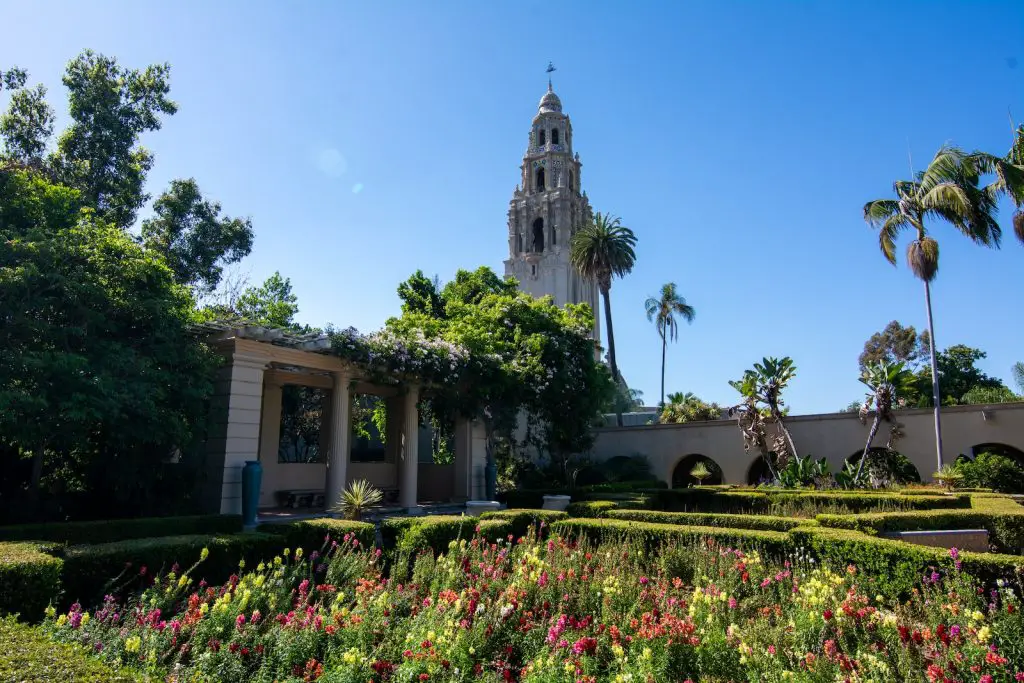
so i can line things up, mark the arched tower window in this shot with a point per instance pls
(571, 186)
(543, 139)
(540, 178)
(554, 235)
(538, 235)
(519, 242)
(554, 136)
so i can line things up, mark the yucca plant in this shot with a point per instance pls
(886, 383)
(949, 476)
(359, 497)
(700, 472)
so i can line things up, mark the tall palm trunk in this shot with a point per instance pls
(936, 397)
(605, 291)
(664, 343)
(875, 424)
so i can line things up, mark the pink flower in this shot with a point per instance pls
(240, 621)
(732, 603)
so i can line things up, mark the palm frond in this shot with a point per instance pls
(889, 231)
(879, 210)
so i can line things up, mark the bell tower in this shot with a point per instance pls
(547, 208)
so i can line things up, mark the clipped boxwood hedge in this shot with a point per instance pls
(29, 580)
(91, 571)
(738, 501)
(436, 532)
(108, 531)
(762, 522)
(524, 521)
(893, 567)
(29, 656)
(314, 534)
(591, 508)
(652, 535)
(1001, 516)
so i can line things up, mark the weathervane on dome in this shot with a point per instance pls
(551, 67)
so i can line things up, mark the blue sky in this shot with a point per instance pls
(738, 139)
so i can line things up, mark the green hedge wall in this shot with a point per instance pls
(591, 508)
(108, 531)
(652, 535)
(29, 656)
(313, 534)
(29, 580)
(762, 522)
(894, 567)
(523, 521)
(755, 502)
(90, 571)
(436, 532)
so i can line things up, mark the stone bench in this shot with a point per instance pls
(296, 498)
(962, 539)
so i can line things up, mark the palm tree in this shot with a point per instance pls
(1009, 180)
(885, 384)
(600, 251)
(664, 311)
(948, 190)
(761, 390)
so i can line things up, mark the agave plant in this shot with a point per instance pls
(355, 500)
(700, 472)
(805, 472)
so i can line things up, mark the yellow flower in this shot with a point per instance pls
(204, 608)
(298, 554)
(50, 611)
(132, 644)
(647, 653)
(182, 581)
(85, 618)
(287, 552)
(977, 616)
(204, 554)
(472, 650)
(984, 633)
(62, 619)
(241, 564)
(569, 667)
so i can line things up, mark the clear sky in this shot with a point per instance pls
(739, 140)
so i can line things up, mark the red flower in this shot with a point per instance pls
(827, 614)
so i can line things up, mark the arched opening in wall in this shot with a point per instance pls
(887, 467)
(543, 138)
(759, 472)
(540, 179)
(538, 235)
(1003, 449)
(682, 477)
(519, 242)
(554, 136)
(571, 186)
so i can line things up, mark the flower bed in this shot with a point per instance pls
(547, 611)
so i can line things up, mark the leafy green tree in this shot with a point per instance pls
(886, 384)
(195, 240)
(419, 294)
(946, 190)
(895, 344)
(26, 127)
(99, 153)
(959, 374)
(600, 251)
(665, 311)
(98, 360)
(13, 78)
(272, 303)
(625, 399)
(984, 395)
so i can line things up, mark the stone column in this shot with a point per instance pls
(410, 461)
(234, 433)
(338, 452)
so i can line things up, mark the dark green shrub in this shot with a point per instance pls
(623, 486)
(591, 508)
(523, 521)
(29, 656)
(108, 531)
(992, 471)
(762, 522)
(707, 499)
(313, 534)
(653, 536)
(528, 498)
(91, 571)
(29, 580)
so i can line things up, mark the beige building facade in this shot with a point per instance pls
(673, 449)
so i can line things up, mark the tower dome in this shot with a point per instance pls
(550, 102)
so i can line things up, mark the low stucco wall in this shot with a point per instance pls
(834, 436)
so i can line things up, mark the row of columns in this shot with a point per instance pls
(341, 443)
